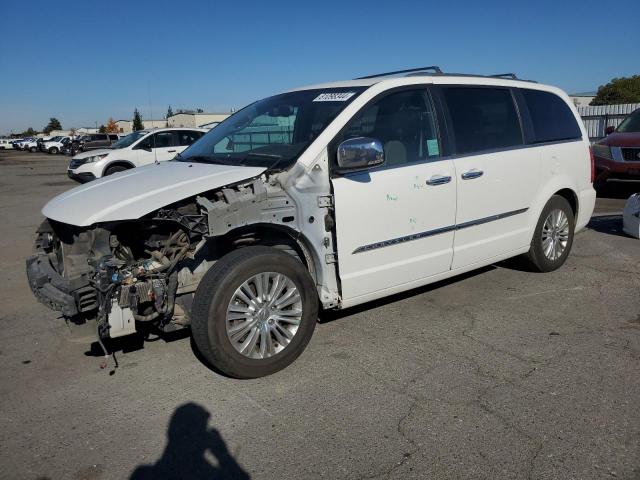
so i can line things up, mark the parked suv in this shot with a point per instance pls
(134, 150)
(617, 156)
(94, 141)
(326, 196)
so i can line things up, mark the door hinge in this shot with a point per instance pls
(331, 258)
(325, 201)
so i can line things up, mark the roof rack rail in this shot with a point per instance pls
(512, 76)
(435, 69)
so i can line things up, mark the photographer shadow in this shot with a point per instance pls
(189, 440)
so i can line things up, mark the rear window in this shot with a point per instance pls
(483, 118)
(551, 117)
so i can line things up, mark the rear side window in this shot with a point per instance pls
(187, 137)
(163, 140)
(551, 117)
(483, 118)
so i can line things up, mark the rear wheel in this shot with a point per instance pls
(254, 312)
(553, 236)
(115, 169)
(33, 149)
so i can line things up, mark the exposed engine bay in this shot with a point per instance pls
(146, 270)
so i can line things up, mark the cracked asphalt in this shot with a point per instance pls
(500, 373)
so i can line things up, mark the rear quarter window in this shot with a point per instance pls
(551, 118)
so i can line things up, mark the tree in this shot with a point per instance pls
(102, 129)
(169, 112)
(54, 124)
(200, 110)
(618, 90)
(137, 121)
(29, 132)
(112, 126)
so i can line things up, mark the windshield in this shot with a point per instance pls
(273, 132)
(128, 140)
(631, 123)
(54, 139)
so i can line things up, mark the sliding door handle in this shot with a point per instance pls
(439, 180)
(471, 174)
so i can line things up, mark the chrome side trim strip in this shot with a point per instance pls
(437, 231)
(492, 218)
(408, 238)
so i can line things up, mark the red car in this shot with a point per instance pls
(617, 156)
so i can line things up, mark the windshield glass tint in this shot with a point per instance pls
(631, 123)
(273, 132)
(128, 140)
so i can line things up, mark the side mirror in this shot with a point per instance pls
(609, 130)
(359, 153)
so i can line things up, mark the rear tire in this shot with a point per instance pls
(33, 149)
(216, 325)
(553, 236)
(115, 169)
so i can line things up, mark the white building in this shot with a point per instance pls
(85, 130)
(126, 126)
(206, 120)
(582, 99)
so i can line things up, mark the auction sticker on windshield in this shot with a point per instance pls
(334, 97)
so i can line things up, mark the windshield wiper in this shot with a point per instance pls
(267, 155)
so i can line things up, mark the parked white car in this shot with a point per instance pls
(31, 145)
(55, 145)
(5, 144)
(326, 196)
(136, 149)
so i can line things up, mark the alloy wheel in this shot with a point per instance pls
(555, 234)
(263, 315)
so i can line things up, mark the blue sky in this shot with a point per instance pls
(84, 62)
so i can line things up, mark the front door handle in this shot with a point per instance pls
(171, 151)
(471, 174)
(439, 180)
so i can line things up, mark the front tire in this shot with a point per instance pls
(53, 150)
(33, 149)
(553, 236)
(114, 169)
(254, 312)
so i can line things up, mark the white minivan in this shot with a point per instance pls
(325, 196)
(134, 150)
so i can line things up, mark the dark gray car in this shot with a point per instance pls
(94, 141)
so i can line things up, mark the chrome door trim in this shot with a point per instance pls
(437, 231)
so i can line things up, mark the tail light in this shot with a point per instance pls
(593, 165)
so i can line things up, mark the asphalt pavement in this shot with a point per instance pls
(501, 373)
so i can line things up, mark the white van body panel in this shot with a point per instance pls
(133, 193)
(386, 224)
